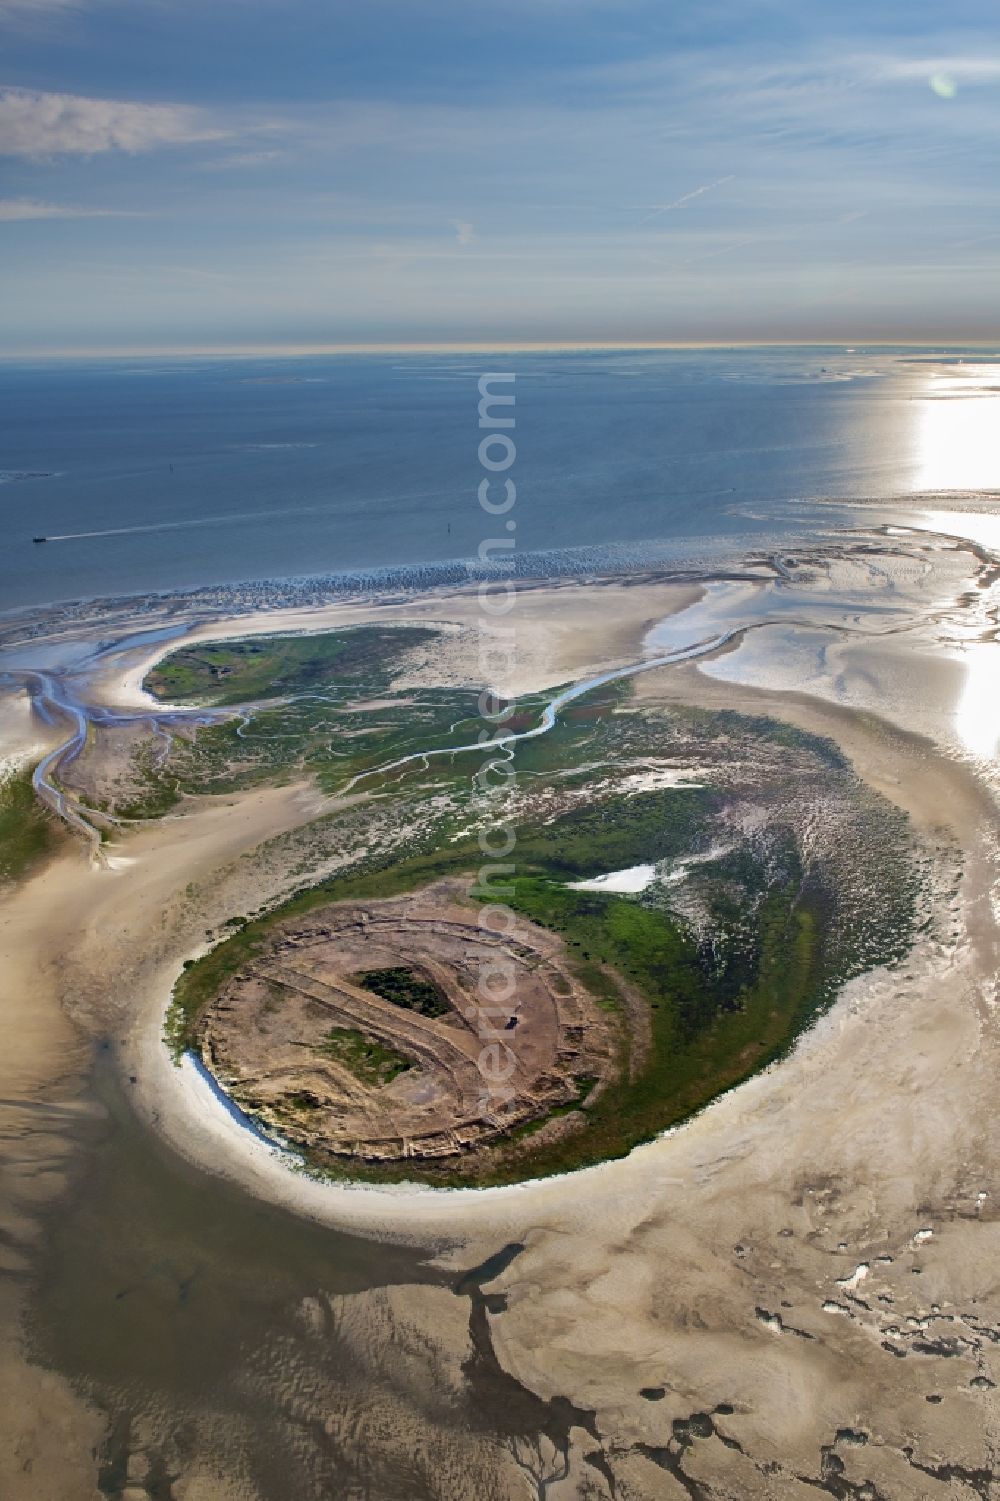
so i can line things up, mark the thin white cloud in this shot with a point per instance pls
(969, 68)
(13, 210)
(243, 159)
(37, 125)
(32, 10)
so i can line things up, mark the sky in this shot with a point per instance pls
(256, 173)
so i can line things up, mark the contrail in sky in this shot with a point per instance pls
(666, 208)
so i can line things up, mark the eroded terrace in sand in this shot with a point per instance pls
(407, 1029)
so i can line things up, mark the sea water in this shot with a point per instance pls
(163, 474)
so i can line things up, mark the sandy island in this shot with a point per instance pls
(811, 1261)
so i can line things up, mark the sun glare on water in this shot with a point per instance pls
(958, 420)
(956, 448)
(977, 715)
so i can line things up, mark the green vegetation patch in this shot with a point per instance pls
(338, 717)
(367, 1059)
(324, 726)
(616, 832)
(238, 672)
(709, 1029)
(27, 832)
(404, 987)
(300, 1100)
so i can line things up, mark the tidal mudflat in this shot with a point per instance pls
(754, 1255)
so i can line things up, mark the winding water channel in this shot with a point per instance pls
(728, 611)
(62, 698)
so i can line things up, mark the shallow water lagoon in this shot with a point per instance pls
(634, 879)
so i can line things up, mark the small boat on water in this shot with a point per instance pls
(39, 539)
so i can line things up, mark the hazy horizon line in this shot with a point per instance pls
(521, 346)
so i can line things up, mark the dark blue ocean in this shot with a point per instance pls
(212, 470)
